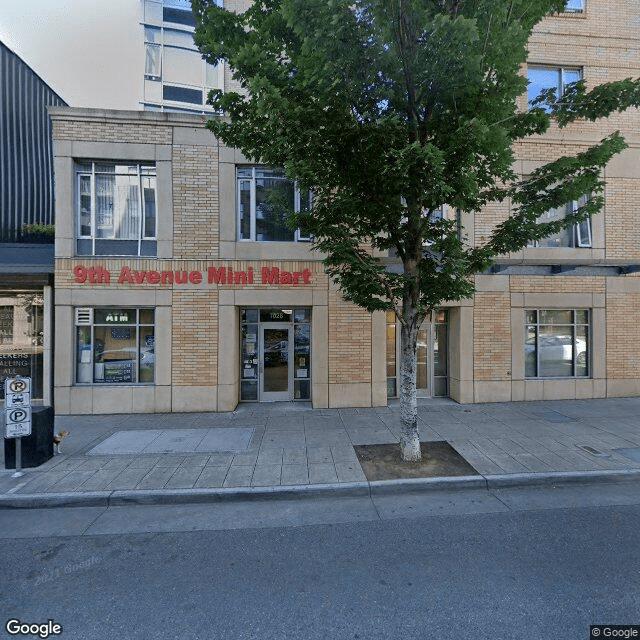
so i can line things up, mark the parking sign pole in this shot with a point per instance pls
(17, 393)
(18, 471)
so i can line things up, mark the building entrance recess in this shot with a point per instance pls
(275, 354)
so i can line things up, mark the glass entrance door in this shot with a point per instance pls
(276, 381)
(431, 356)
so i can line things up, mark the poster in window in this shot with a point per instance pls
(118, 371)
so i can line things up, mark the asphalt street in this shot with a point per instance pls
(522, 563)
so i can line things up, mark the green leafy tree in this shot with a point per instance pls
(388, 110)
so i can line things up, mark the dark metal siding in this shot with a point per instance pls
(26, 159)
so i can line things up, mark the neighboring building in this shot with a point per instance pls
(130, 55)
(176, 78)
(178, 288)
(26, 216)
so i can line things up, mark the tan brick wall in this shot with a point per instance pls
(623, 335)
(557, 284)
(349, 341)
(110, 131)
(492, 336)
(196, 205)
(194, 338)
(622, 231)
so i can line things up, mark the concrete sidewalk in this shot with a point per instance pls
(288, 449)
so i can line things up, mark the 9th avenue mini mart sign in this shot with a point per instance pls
(213, 275)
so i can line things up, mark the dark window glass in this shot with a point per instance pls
(178, 16)
(182, 94)
(275, 315)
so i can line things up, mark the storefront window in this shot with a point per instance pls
(115, 346)
(22, 338)
(557, 343)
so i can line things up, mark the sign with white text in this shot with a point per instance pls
(17, 392)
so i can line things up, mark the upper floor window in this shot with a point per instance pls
(577, 235)
(116, 209)
(544, 78)
(574, 6)
(264, 198)
(176, 76)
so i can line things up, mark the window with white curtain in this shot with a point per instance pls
(116, 208)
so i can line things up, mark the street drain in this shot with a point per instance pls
(592, 451)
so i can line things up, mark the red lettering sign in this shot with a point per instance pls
(214, 276)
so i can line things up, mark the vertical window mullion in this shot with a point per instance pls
(141, 219)
(296, 207)
(92, 339)
(137, 352)
(93, 210)
(252, 232)
(537, 352)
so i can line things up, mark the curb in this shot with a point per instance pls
(559, 478)
(120, 498)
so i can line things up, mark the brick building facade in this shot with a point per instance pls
(178, 290)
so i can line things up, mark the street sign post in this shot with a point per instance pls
(17, 408)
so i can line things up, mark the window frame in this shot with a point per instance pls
(143, 170)
(211, 76)
(572, 326)
(297, 203)
(581, 232)
(560, 70)
(581, 9)
(86, 355)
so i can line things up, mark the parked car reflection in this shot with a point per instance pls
(555, 355)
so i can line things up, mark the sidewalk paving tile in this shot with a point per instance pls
(196, 460)
(225, 459)
(156, 478)
(344, 454)
(270, 456)
(41, 482)
(350, 472)
(238, 476)
(211, 477)
(71, 481)
(322, 473)
(294, 455)
(319, 455)
(144, 462)
(128, 479)
(265, 475)
(293, 474)
(170, 460)
(101, 480)
(184, 477)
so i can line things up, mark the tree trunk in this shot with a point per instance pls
(409, 437)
